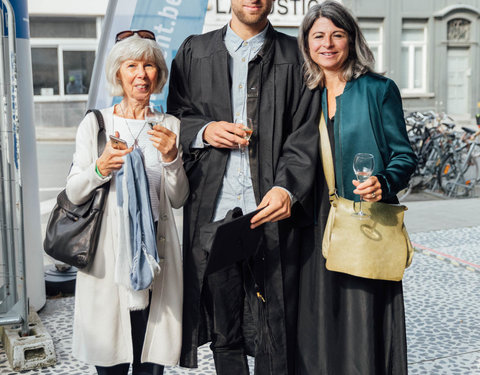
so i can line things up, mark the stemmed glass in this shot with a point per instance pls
(363, 165)
(154, 115)
(247, 126)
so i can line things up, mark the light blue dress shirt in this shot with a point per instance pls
(237, 188)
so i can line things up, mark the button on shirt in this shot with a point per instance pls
(237, 188)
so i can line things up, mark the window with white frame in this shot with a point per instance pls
(63, 54)
(414, 57)
(373, 33)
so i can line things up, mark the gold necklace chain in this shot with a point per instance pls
(135, 139)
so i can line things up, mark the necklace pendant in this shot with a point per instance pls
(135, 144)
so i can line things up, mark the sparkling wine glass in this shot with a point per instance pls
(363, 165)
(247, 126)
(154, 115)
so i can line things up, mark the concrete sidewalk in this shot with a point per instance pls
(425, 216)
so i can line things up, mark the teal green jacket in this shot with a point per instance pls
(369, 118)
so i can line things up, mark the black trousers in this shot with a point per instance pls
(223, 298)
(138, 320)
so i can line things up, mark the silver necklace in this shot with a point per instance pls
(135, 139)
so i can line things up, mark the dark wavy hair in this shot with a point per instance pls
(360, 58)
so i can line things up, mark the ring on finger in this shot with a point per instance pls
(373, 195)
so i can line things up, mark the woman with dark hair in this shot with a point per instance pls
(351, 325)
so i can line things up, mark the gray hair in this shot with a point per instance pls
(134, 48)
(360, 58)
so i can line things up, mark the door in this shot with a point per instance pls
(458, 62)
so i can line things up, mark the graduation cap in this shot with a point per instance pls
(230, 240)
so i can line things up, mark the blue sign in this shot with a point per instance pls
(172, 21)
(20, 10)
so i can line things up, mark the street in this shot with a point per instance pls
(53, 160)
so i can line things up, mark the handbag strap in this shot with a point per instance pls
(327, 160)
(101, 141)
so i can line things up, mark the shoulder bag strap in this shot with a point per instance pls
(102, 135)
(327, 160)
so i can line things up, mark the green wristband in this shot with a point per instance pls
(98, 171)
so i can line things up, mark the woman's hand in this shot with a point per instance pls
(165, 141)
(369, 190)
(111, 158)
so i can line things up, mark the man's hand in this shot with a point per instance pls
(277, 207)
(224, 134)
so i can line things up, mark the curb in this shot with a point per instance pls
(55, 134)
(447, 258)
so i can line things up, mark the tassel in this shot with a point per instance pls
(266, 339)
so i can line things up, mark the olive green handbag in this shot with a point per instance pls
(377, 247)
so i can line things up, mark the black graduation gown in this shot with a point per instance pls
(282, 152)
(347, 325)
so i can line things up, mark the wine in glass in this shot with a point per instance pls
(247, 126)
(363, 165)
(154, 115)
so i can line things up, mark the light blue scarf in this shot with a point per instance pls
(143, 246)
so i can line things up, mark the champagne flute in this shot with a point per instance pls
(247, 126)
(363, 165)
(154, 115)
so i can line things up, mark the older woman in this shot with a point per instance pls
(351, 325)
(110, 331)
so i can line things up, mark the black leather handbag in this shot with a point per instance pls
(73, 230)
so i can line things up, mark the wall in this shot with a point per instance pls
(67, 7)
(393, 12)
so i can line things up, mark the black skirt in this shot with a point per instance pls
(347, 325)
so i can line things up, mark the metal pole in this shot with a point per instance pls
(8, 240)
(17, 171)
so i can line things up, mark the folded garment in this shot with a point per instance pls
(138, 247)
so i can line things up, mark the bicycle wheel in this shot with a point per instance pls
(457, 177)
(404, 193)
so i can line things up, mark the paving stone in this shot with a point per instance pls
(441, 302)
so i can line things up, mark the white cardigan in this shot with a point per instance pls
(102, 332)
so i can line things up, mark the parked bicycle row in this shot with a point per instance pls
(448, 155)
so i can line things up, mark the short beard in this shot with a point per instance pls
(252, 20)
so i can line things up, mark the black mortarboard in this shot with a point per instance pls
(229, 240)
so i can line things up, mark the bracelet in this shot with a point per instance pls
(98, 171)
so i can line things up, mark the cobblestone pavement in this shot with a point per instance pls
(442, 303)
(441, 298)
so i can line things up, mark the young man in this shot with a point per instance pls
(244, 70)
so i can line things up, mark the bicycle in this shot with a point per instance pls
(430, 136)
(459, 170)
